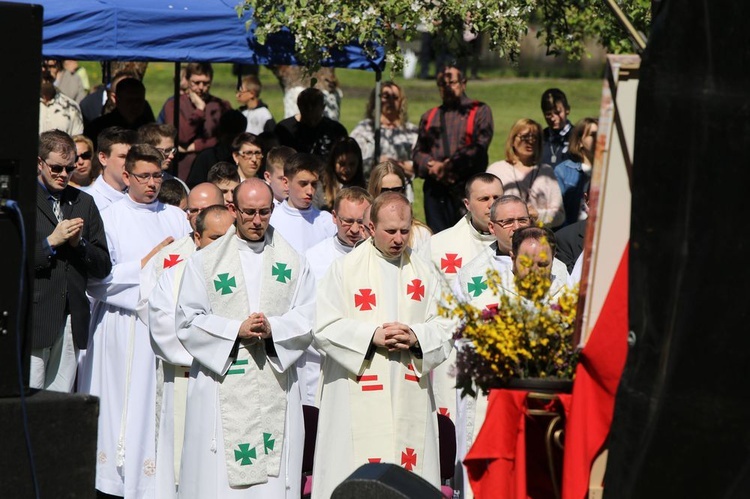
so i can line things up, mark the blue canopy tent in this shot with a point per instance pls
(177, 31)
(171, 30)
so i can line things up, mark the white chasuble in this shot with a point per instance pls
(451, 249)
(377, 406)
(244, 429)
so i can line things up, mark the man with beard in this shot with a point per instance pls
(451, 147)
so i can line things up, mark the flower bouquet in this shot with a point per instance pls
(526, 334)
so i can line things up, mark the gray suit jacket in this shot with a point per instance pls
(60, 277)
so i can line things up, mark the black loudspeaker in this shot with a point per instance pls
(680, 425)
(20, 51)
(385, 481)
(63, 438)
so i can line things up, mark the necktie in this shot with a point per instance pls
(57, 209)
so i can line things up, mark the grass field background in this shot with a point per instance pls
(510, 98)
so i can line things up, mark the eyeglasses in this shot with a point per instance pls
(507, 223)
(389, 96)
(242, 90)
(262, 213)
(85, 156)
(167, 152)
(58, 169)
(528, 138)
(348, 222)
(193, 211)
(393, 189)
(250, 154)
(143, 177)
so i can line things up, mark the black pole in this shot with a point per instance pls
(376, 117)
(176, 114)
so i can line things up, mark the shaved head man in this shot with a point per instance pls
(201, 197)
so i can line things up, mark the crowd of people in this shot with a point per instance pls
(227, 284)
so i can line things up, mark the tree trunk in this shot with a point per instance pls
(294, 79)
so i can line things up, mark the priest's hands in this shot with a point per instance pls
(166, 242)
(255, 326)
(394, 336)
(67, 231)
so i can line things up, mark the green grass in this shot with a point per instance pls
(510, 98)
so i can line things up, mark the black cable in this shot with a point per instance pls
(13, 206)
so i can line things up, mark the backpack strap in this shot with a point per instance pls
(470, 122)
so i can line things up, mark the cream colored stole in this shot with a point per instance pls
(388, 423)
(252, 395)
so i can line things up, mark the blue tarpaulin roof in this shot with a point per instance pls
(169, 30)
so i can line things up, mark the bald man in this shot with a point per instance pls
(378, 326)
(159, 283)
(244, 313)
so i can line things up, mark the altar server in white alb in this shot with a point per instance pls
(378, 327)
(120, 367)
(209, 219)
(451, 249)
(296, 218)
(244, 312)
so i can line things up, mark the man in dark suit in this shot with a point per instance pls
(70, 247)
(570, 243)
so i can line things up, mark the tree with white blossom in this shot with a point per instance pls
(566, 25)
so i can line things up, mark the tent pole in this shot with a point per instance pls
(376, 116)
(176, 109)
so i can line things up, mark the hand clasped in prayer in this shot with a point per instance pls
(255, 326)
(394, 336)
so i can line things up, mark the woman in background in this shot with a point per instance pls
(397, 134)
(343, 169)
(574, 174)
(523, 176)
(85, 172)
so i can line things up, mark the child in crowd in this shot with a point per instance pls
(344, 169)
(259, 118)
(296, 219)
(225, 176)
(274, 172)
(556, 137)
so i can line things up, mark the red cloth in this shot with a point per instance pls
(597, 377)
(497, 462)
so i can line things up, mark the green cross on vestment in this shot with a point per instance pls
(268, 442)
(245, 454)
(476, 286)
(281, 272)
(235, 368)
(224, 283)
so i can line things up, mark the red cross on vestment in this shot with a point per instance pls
(373, 459)
(365, 300)
(451, 263)
(412, 376)
(416, 289)
(409, 459)
(171, 261)
(444, 411)
(369, 378)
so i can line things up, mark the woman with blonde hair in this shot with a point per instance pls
(87, 168)
(388, 176)
(397, 134)
(522, 174)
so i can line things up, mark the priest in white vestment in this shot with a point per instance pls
(378, 327)
(160, 281)
(302, 224)
(471, 287)
(348, 211)
(450, 250)
(244, 313)
(120, 367)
